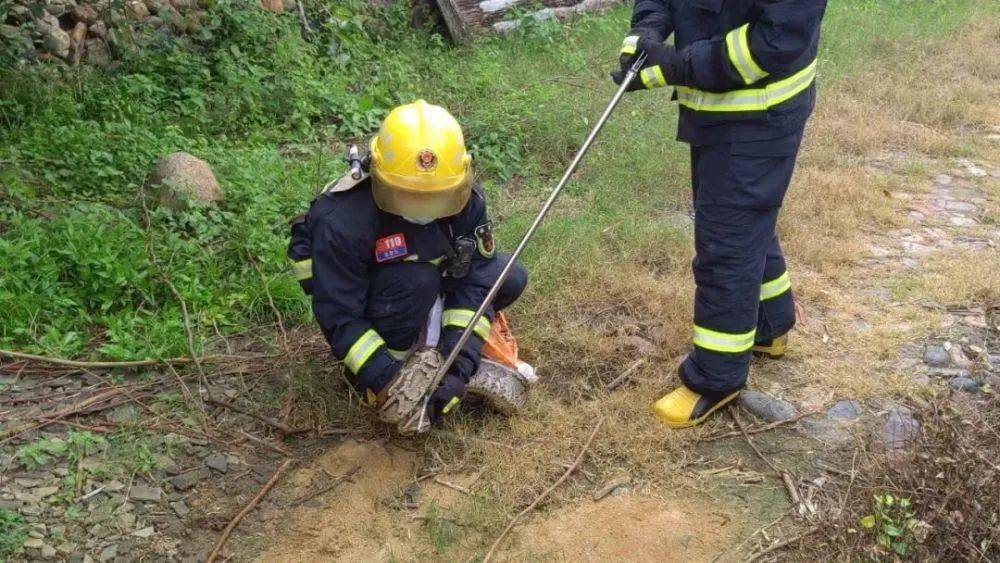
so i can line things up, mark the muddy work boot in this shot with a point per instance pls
(401, 402)
(503, 388)
(683, 408)
(773, 349)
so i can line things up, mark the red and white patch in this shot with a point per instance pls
(390, 248)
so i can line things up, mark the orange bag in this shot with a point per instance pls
(501, 347)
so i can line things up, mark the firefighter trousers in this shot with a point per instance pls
(743, 294)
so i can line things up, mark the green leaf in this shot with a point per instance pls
(868, 521)
(892, 531)
(901, 548)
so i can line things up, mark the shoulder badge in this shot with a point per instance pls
(484, 240)
(343, 184)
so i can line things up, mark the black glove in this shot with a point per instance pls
(446, 397)
(373, 378)
(663, 66)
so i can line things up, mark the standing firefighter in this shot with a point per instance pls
(377, 252)
(743, 73)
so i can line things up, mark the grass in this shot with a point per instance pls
(13, 533)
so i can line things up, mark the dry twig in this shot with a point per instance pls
(329, 487)
(786, 478)
(621, 379)
(544, 495)
(782, 544)
(276, 424)
(246, 510)
(759, 429)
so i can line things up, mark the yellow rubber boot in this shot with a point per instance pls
(773, 349)
(682, 407)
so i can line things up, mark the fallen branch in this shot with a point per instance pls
(276, 424)
(266, 444)
(786, 478)
(246, 510)
(100, 365)
(453, 486)
(782, 544)
(329, 487)
(544, 495)
(759, 429)
(621, 379)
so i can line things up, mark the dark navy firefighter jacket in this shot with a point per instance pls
(343, 244)
(750, 64)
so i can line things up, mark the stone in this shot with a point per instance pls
(168, 465)
(180, 508)
(183, 179)
(33, 543)
(765, 407)
(145, 533)
(948, 372)
(217, 462)
(126, 413)
(48, 552)
(108, 553)
(900, 429)
(27, 483)
(86, 13)
(188, 480)
(642, 346)
(273, 5)
(114, 486)
(66, 548)
(966, 384)
(958, 357)
(98, 30)
(46, 491)
(936, 356)
(144, 493)
(31, 510)
(137, 10)
(9, 504)
(9, 32)
(55, 41)
(490, 6)
(59, 7)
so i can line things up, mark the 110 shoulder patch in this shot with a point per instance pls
(484, 240)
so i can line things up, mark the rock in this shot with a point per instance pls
(86, 13)
(48, 552)
(958, 357)
(59, 7)
(9, 32)
(8, 504)
(186, 481)
(108, 553)
(156, 6)
(966, 384)
(168, 465)
(66, 548)
(27, 483)
(124, 414)
(993, 381)
(31, 510)
(936, 356)
(46, 491)
(145, 533)
(217, 462)
(948, 372)
(765, 407)
(137, 10)
(180, 508)
(98, 30)
(185, 179)
(33, 543)
(114, 486)
(55, 41)
(272, 5)
(642, 346)
(900, 429)
(144, 493)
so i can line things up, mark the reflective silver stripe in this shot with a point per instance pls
(303, 269)
(723, 341)
(629, 45)
(362, 349)
(738, 49)
(397, 354)
(775, 287)
(752, 99)
(461, 318)
(652, 77)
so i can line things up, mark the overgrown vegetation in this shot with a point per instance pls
(13, 532)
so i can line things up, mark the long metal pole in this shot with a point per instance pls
(629, 76)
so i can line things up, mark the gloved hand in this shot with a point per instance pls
(664, 65)
(446, 397)
(374, 378)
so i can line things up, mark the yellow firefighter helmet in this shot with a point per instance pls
(419, 167)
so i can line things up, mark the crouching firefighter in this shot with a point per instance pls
(743, 74)
(404, 237)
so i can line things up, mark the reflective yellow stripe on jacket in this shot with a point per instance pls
(738, 49)
(461, 319)
(750, 99)
(775, 287)
(362, 349)
(723, 341)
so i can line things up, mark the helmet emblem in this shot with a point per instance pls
(426, 160)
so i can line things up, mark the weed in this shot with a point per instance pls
(892, 523)
(442, 531)
(13, 533)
